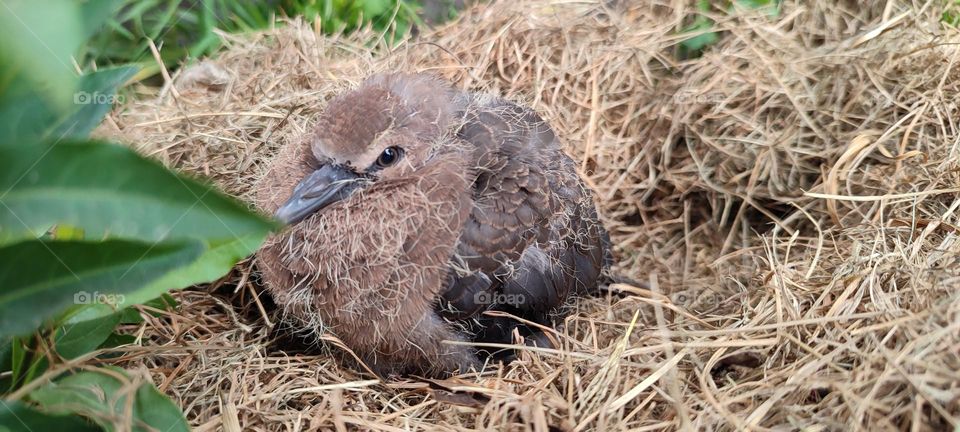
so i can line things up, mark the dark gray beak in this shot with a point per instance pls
(325, 186)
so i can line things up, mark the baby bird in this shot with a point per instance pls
(413, 209)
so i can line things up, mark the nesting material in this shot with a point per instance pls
(791, 197)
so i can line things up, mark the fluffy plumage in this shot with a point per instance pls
(483, 211)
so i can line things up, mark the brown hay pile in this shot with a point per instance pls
(791, 196)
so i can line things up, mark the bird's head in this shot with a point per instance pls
(381, 134)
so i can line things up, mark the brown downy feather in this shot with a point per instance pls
(487, 213)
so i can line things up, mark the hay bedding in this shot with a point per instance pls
(770, 307)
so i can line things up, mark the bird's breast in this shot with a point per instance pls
(380, 242)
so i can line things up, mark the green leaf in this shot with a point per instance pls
(127, 315)
(89, 327)
(95, 13)
(40, 278)
(76, 339)
(38, 365)
(101, 397)
(26, 114)
(117, 339)
(130, 315)
(182, 277)
(164, 302)
(18, 358)
(86, 312)
(107, 189)
(6, 353)
(25, 362)
(6, 363)
(700, 41)
(6, 379)
(213, 264)
(17, 417)
(41, 36)
(374, 8)
(156, 409)
(94, 98)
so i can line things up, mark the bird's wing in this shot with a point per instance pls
(533, 235)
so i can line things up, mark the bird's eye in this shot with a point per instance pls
(389, 156)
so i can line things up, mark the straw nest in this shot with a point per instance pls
(791, 197)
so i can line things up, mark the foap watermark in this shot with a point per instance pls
(699, 300)
(489, 298)
(690, 96)
(96, 297)
(96, 98)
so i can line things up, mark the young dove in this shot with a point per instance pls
(414, 209)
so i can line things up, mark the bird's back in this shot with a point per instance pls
(533, 237)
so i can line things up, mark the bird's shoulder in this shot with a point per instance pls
(532, 233)
(525, 186)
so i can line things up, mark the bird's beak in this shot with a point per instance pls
(323, 187)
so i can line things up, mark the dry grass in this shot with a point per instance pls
(791, 196)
